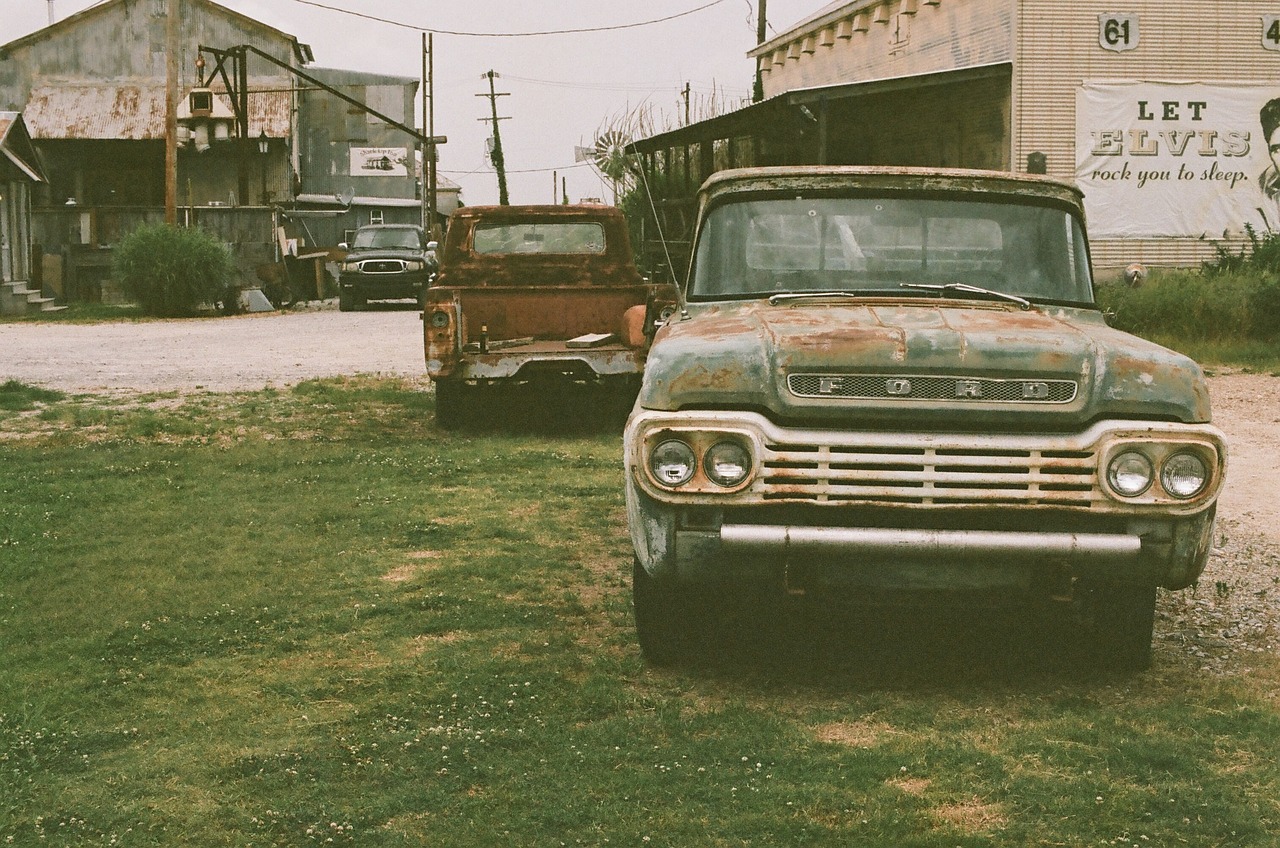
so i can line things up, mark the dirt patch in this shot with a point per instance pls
(855, 734)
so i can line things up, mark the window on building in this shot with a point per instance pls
(375, 216)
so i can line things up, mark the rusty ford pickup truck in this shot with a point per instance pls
(895, 384)
(535, 296)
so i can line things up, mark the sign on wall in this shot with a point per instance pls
(379, 162)
(1160, 159)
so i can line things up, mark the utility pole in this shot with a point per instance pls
(757, 93)
(430, 213)
(498, 163)
(686, 104)
(171, 29)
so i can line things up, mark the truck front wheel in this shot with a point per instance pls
(670, 617)
(1118, 623)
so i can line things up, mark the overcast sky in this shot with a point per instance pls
(563, 89)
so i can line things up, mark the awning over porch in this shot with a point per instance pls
(16, 147)
(804, 105)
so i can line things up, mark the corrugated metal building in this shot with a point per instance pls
(92, 90)
(1153, 110)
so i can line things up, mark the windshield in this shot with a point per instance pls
(757, 248)
(539, 238)
(389, 237)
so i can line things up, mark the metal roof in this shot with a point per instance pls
(133, 111)
(302, 52)
(757, 117)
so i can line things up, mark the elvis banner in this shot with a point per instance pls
(1178, 159)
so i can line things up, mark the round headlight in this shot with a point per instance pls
(672, 463)
(1129, 474)
(439, 320)
(727, 463)
(1184, 475)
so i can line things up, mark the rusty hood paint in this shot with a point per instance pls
(739, 356)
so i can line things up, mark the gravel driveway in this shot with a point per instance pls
(215, 354)
(1234, 612)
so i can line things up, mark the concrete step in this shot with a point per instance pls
(16, 298)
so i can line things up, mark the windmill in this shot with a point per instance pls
(609, 156)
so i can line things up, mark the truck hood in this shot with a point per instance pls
(953, 364)
(383, 253)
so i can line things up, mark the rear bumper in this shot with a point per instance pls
(543, 359)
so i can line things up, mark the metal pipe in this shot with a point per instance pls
(904, 543)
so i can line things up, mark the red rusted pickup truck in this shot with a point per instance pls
(537, 297)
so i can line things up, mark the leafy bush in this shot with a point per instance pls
(1234, 297)
(1183, 305)
(1264, 307)
(170, 271)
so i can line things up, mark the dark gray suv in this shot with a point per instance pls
(385, 261)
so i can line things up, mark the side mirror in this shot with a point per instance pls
(433, 245)
(664, 316)
(343, 246)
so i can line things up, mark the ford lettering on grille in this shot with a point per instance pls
(893, 387)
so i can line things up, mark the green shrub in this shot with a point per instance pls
(1264, 308)
(1183, 305)
(170, 271)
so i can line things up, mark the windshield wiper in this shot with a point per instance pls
(775, 299)
(968, 289)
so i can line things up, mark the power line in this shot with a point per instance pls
(417, 28)
(701, 88)
(482, 167)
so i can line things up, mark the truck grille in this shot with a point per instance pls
(915, 387)
(935, 475)
(382, 266)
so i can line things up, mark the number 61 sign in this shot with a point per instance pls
(1118, 31)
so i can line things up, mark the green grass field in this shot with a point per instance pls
(310, 617)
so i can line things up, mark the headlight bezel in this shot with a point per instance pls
(701, 443)
(1159, 455)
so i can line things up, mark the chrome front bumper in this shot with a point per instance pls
(888, 544)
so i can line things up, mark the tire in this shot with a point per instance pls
(453, 407)
(1118, 623)
(669, 617)
(280, 295)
